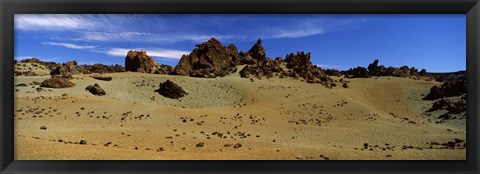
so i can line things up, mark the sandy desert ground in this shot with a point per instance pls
(274, 119)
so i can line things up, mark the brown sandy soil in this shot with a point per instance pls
(272, 119)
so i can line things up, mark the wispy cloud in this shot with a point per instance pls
(70, 45)
(328, 66)
(144, 37)
(295, 33)
(159, 53)
(50, 22)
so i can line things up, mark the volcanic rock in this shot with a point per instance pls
(208, 59)
(403, 71)
(57, 82)
(100, 68)
(171, 90)
(333, 72)
(232, 53)
(423, 72)
(257, 51)
(265, 68)
(71, 67)
(455, 87)
(358, 72)
(246, 59)
(375, 70)
(101, 77)
(96, 90)
(139, 61)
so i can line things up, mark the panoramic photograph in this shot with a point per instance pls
(239, 87)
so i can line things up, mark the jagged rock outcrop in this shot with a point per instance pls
(95, 90)
(233, 55)
(333, 72)
(265, 68)
(246, 59)
(101, 68)
(171, 90)
(423, 73)
(358, 72)
(455, 87)
(208, 59)
(139, 61)
(164, 69)
(375, 70)
(301, 66)
(57, 82)
(257, 51)
(71, 67)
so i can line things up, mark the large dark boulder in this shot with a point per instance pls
(96, 89)
(171, 90)
(57, 82)
(208, 59)
(139, 61)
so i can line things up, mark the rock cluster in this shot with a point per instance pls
(57, 82)
(455, 87)
(100, 68)
(374, 69)
(95, 89)
(139, 61)
(358, 72)
(265, 68)
(171, 90)
(301, 66)
(208, 59)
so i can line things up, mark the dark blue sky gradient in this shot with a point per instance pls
(434, 42)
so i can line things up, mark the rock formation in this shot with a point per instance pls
(101, 68)
(265, 68)
(257, 51)
(139, 61)
(358, 72)
(171, 90)
(95, 89)
(455, 87)
(57, 82)
(208, 59)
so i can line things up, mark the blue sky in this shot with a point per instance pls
(434, 42)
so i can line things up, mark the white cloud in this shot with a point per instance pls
(110, 36)
(297, 33)
(144, 37)
(50, 22)
(70, 45)
(160, 53)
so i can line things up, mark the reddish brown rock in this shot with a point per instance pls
(171, 90)
(96, 90)
(257, 51)
(208, 59)
(57, 82)
(358, 72)
(139, 61)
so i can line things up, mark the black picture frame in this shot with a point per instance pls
(10, 7)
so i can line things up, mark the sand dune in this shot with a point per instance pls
(375, 118)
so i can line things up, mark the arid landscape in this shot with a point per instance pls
(219, 103)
